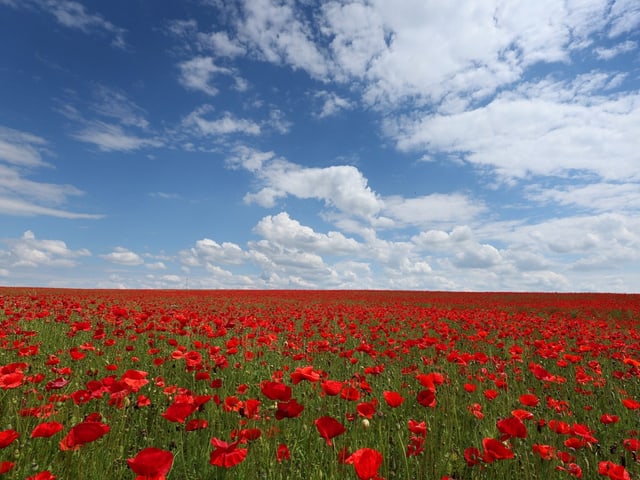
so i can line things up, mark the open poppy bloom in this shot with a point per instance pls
(179, 411)
(7, 437)
(151, 464)
(85, 432)
(226, 454)
(393, 399)
(290, 409)
(276, 390)
(46, 429)
(511, 427)
(366, 462)
(495, 450)
(329, 427)
(613, 471)
(304, 373)
(46, 475)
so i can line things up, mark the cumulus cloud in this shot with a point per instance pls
(29, 251)
(285, 231)
(341, 186)
(123, 256)
(547, 128)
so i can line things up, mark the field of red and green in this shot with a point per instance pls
(318, 385)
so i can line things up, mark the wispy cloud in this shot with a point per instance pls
(109, 137)
(21, 148)
(619, 49)
(19, 196)
(74, 15)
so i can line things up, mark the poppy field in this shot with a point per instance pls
(318, 385)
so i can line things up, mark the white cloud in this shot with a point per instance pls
(546, 128)
(599, 197)
(28, 251)
(108, 138)
(227, 124)
(116, 105)
(221, 44)
(197, 74)
(207, 251)
(624, 17)
(74, 15)
(22, 197)
(279, 34)
(21, 148)
(429, 209)
(618, 49)
(331, 104)
(123, 256)
(289, 233)
(156, 266)
(340, 186)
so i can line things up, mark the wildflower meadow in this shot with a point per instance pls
(318, 385)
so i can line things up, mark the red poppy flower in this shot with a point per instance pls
(366, 462)
(7, 437)
(85, 432)
(134, 379)
(631, 444)
(469, 387)
(495, 450)
(151, 464)
(46, 429)
(490, 394)
(304, 373)
(427, 398)
(6, 467)
(522, 414)
(351, 394)
(511, 427)
(196, 424)
(546, 452)
(529, 400)
(607, 419)
(560, 427)
(331, 387)
(571, 469)
(246, 434)
(631, 404)
(393, 399)
(430, 380)
(418, 428)
(46, 475)
(613, 471)
(226, 454)
(366, 409)
(328, 428)
(472, 456)
(11, 380)
(276, 391)
(290, 409)
(179, 411)
(283, 453)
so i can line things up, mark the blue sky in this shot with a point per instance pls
(377, 144)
